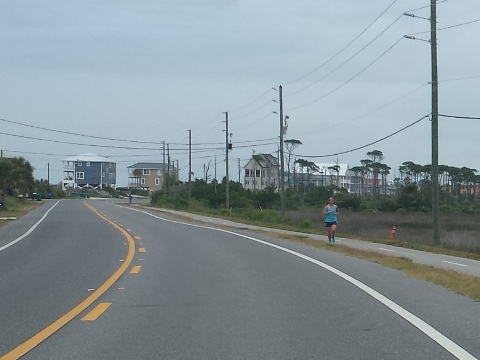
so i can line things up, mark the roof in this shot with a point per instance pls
(344, 168)
(150, 165)
(89, 157)
(265, 160)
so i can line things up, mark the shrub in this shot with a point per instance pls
(306, 223)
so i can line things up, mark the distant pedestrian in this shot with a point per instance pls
(129, 198)
(330, 211)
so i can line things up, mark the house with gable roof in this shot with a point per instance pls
(150, 175)
(261, 171)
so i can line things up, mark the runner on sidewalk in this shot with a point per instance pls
(330, 211)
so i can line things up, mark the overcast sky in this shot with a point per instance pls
(151, 70)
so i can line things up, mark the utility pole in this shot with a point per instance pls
(227, 180)
(239, 170)
(48, 173)
(215, 166)
(168, 166)
(189, 166)
(435, 187)
(163, 171)
(282, 162)
(177, 175)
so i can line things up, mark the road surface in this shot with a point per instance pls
(95, 280)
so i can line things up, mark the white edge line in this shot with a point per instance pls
(454, 263)
(427, 329)
(29, 231)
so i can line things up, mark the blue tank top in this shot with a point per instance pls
(331, 215)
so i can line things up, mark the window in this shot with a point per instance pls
(263, 173)
(80, 175)
(87, 163)
(142, 181)
(146, 171)
(257, 173)
(111, 175)
(79, 163)
(157, 181)
(247, 172)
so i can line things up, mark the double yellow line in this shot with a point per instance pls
(38, 338)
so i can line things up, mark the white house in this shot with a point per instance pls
(261, 171)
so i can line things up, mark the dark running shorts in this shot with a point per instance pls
(329, 224)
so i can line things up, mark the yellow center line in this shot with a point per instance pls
(142, 250)
(97, 311)
(135, 269)
(41, 336)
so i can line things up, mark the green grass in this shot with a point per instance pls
(17, 208)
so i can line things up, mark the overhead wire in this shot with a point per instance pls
(251, 102)
(462, 78)
(427, 6)
(251, 112)
(366, 145)
(74, 143)
(78, 134)
(345, 47)
(460, 117)
(349, 80)
(377, 109)
(448, 27)
(256, 121)
(346, 61)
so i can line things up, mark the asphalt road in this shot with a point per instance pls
(463, 265)
(193, 292)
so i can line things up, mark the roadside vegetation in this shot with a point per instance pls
(368, 213)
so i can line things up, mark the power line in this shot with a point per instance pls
(210, 122)
(377, 109)
(460, 117)
(450, 27)
(221, 143)
(346, 61)
(364, 146)
(251, 112)
(426, 6)
(462, 78)
(345, 83)
(74, 143)
(256, 121)
(345, 47)
(251, 102)
(78, 134)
